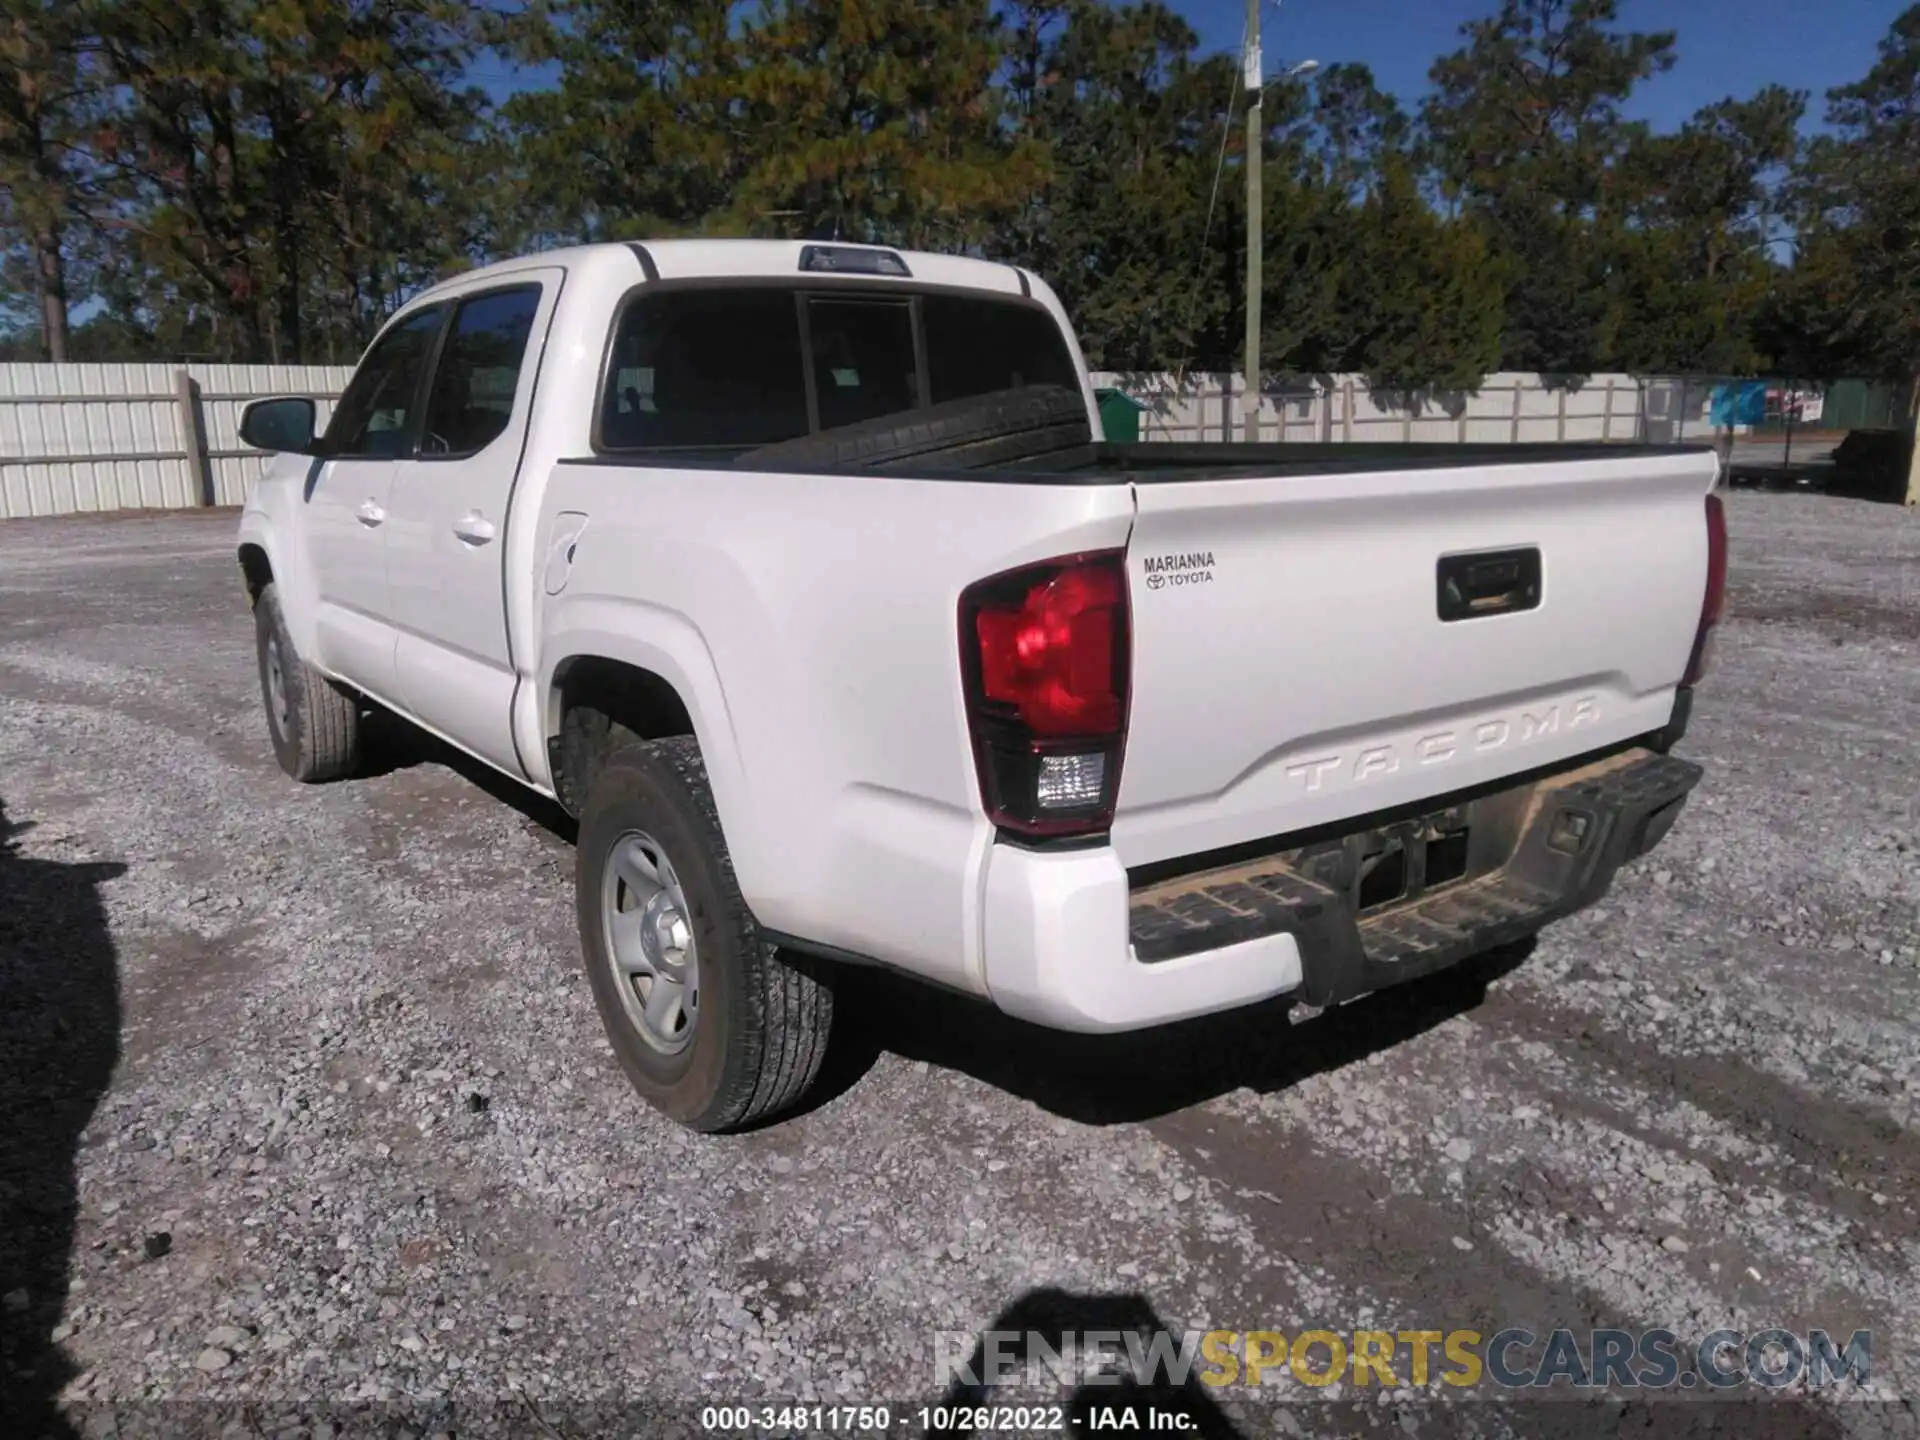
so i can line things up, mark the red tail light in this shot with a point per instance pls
(1715, 603)
(1044, 655)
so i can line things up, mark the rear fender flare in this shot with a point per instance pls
(669, 645)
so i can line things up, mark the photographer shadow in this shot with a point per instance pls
(59, 1043)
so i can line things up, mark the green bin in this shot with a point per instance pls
(1119, 416)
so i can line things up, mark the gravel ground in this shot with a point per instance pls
(302, 1096)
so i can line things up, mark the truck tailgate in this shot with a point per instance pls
(1312, 647)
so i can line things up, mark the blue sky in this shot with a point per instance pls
(1725, 47)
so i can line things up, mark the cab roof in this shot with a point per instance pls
(767, 259)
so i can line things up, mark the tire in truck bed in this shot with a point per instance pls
(979, 431)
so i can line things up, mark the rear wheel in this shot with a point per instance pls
(712, 1025)
(314, 724)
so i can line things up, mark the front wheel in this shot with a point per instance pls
(712, 1025)
(314, 724)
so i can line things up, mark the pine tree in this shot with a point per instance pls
(1854, 293)
(49, 92)
(1524, 131)
(1132, 219)
(1692, 267)
(644, 132)
(876, 120)
(1852, 302)
(1419, 304)
(274, 159)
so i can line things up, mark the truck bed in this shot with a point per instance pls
(1163, 462)
(1172, 462)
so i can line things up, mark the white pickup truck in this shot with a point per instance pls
(802, 577)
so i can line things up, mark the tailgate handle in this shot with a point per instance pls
(1491, 582)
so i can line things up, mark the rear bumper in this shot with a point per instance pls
(1071, 943)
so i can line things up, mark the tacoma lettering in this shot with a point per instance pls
(1439, 746)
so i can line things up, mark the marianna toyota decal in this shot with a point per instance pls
(1195, 567)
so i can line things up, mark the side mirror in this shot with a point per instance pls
(284, 424)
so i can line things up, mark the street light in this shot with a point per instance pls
(1256, 155)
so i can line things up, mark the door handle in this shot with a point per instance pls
(474, 528)
(370, 514)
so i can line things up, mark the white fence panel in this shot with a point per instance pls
(114, 437)
(87, 437)
(1505, 408)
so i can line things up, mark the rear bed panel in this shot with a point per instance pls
(1291, 668)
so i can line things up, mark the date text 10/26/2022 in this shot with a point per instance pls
(793, 1421)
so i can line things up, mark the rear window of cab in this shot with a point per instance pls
(735, 368)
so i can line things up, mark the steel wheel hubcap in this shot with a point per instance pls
(649, 942)
(277, 687)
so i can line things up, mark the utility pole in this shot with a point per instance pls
(1256, 158)
(1913, 460)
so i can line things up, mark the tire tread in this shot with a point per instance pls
(1001, 428)
(333, 725)
(787, 1008)
(326, 717)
